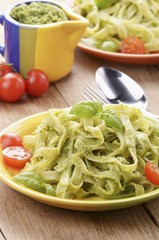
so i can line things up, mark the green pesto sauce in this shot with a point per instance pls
(38, 13)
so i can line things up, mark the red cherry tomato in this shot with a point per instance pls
(10, 139)
(132, 45)
(12, 87)
(152, 173)
(16, 156)
(37, 83)
(4, 69)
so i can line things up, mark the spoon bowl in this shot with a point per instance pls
(117, 87)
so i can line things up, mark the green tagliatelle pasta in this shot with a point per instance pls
(91, 150)
(139, 18)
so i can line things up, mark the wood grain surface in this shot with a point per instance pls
(22, 218)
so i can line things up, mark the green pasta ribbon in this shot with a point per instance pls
(112, 21)
(91, 150)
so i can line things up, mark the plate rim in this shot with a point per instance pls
(119, 56)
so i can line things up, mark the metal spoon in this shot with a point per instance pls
(117, 87)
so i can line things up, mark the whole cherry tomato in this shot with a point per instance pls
(37, 83)
(152, 173)
(132, 45)
(5, 68)
(10, 139)
(12, 87)
(16, 156)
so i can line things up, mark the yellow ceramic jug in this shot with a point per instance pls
(48, 47)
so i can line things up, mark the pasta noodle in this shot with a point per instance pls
(102, 153)
(139, 18)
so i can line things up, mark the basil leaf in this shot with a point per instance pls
(31, 180)
(112, 120)
(86, 109)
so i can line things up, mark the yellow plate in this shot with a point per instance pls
(26, 126)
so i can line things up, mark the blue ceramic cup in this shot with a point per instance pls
(48, 47)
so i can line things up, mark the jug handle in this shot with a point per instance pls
(1, 47)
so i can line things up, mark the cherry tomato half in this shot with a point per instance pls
(4, 69)
(10, 139)
(16, 156)
(37, 83)
(12, 87)
(152, 173)
(132, 45)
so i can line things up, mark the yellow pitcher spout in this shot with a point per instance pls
(74, 28)
(74, 31)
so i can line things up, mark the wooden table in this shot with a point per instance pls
(23, 218)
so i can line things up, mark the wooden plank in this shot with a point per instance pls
(28, 106)
(152, 208)
(83, 72)
(1, 236)
(27, 219)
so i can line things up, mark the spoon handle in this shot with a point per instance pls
(151, 115)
